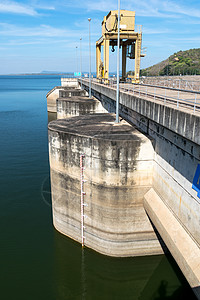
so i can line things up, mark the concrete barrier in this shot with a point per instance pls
(181, 245)
(70, 82)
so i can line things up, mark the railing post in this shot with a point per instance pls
(133, 89)
(195, 101)
(139, 90)
(154, 94)
(178, 99)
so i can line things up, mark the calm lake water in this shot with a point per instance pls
(36, 262)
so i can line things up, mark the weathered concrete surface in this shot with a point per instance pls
(118, 167)
(181, 122)
(57, 92)
(76, 106)
(176, 152)
(71, 93)
(68, 87)
(52, 116)
(181, 245)
(70, 82)
(51, 96)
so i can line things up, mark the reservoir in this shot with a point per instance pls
(36, 261)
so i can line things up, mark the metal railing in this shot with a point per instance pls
(168, 96)
(174, 82)
(177, 98)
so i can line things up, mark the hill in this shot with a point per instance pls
(183, 62)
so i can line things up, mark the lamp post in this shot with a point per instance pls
(81, 60)
(76, 59)
(89, 19)
(118, 43)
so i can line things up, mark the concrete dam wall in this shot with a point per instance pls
(173, 202)
(118, 166)
(176, 150)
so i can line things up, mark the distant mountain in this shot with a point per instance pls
(55, 72)
(182, 62)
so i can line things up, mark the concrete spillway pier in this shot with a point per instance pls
(76, 106)
(59, 92)
(118, 166)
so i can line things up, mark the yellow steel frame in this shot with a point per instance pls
(128, 37)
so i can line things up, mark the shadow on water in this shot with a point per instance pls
(85, 274)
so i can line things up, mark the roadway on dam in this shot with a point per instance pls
(174, 97)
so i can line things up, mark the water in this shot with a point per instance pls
(37, 262)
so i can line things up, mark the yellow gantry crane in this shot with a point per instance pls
(130, 41)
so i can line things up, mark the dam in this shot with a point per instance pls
(129, 188)
(140, 178)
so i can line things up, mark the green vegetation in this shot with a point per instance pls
(182, 62)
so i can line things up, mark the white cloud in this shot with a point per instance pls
(17, 8)
(14, 7)
(39, 31)
(155, 30)
(188, 39)
(189, 10)
(145, 8)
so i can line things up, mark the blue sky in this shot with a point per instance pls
(43, 35)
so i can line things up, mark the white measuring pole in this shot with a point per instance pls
(82, 200)
(118, 44)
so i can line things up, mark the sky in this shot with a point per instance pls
(43, 35)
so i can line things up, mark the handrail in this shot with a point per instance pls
(190, 101)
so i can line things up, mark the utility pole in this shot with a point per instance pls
(89, 19)
(81, 59)
(77, 59)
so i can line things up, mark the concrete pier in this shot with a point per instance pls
(59, 92)
(76, 106)
(118, 166)
(69, 88)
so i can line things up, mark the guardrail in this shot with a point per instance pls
(189, 100)
(177, 97)
(178, 83)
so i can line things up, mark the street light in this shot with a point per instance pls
(81, 60)
(76, 59)
(118, 43)
(89, 19)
